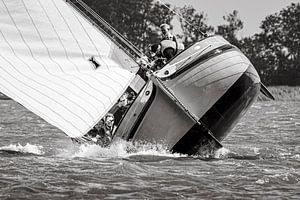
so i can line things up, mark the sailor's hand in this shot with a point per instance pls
(149, 73)
(143, 62)
(94, 139)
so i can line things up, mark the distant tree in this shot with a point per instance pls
(229, 31)
(254, 48)
(192, 24)
(137, 20)
(274, 51)
(281, 36)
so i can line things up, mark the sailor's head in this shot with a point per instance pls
(165, 28)
(109, 119)
(131, 96)
(123, 101)
(100, 124)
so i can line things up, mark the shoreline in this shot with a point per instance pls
(281, 93)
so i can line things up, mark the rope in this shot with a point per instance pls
(182, 18)
(126, 42)
(112, 29)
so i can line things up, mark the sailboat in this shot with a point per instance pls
(61, 66)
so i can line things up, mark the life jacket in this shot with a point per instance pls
(170, 45)
(168, 36)
(167, 44)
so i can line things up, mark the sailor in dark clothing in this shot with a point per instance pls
(103, 132)
(166, 33)
(95, 133)
(156, 56)
(168, 44)
(164, 51)
(109, 125)
(106, 131)
(123, 104)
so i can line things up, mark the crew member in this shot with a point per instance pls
(158, 60)
(168, 46)
(109, 125)
(103, 132)
(166, 33)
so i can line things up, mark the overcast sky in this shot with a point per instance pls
(251, 12)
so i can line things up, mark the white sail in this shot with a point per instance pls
(45, 46)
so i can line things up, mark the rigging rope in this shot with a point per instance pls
(182, 18)
(110, 28)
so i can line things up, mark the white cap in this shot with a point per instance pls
(165, 26)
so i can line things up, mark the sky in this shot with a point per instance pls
(251, 12)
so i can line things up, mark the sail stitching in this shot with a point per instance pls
(69, 28)
(30, 77)
(32, 98)
(76, 38)
(86, 32)
(39, 35)
(48, 52)
(113, 30)
(36, 60)
(42, 65)
(40, 74)
(97, 80)
(59, 38)
(95, 45)
(28, 105)
(41, 92)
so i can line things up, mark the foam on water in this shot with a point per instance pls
(258, 162)
(26, 149)
(125, 149)
(116, 150)
(122, 149)
(221, 153)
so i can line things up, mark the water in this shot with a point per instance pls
(260, 160)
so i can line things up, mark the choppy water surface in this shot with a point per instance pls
(260, 160)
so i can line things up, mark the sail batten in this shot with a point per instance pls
(45, 51)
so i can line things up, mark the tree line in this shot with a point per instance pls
(275, 51)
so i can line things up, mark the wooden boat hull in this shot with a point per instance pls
(198, 101)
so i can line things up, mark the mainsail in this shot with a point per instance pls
(45, 53)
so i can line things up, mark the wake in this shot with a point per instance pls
(122, 149)
(139, 152)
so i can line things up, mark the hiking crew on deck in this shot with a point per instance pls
(166, 49)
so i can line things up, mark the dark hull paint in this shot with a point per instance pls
(225, 114)
(221, 118)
